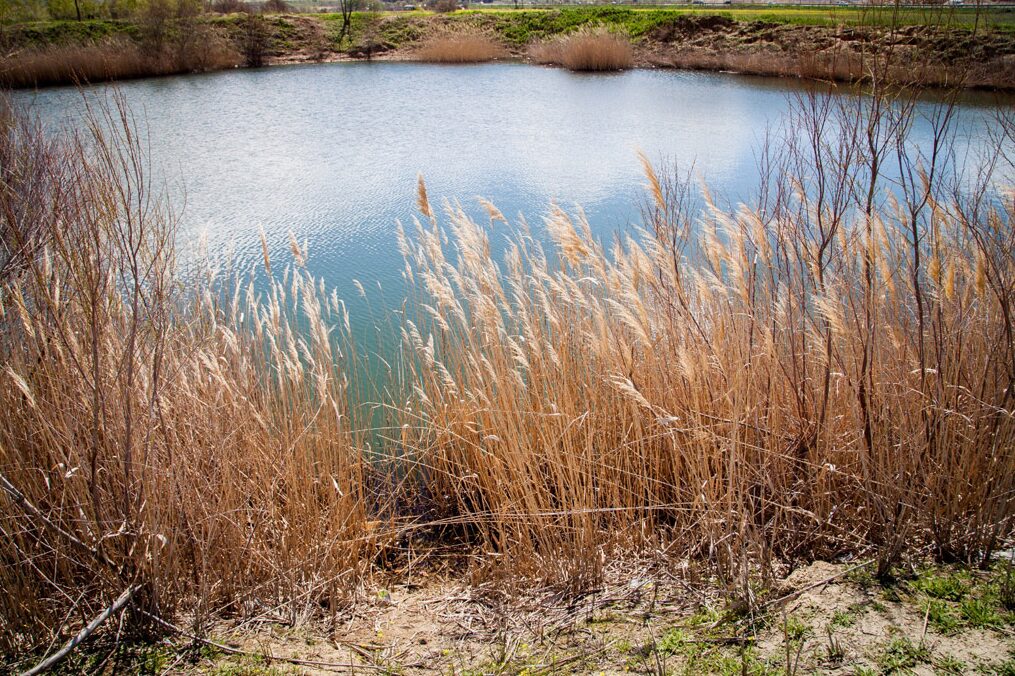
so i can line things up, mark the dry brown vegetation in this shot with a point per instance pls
(828, 370)
(186, 440)
(114, 60)
(586, 50)
(840, 65)
(461, 46)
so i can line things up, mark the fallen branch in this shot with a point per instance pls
(118, 604)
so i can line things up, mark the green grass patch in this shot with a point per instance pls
(981, 614)
(941, 616)
(947, 664)
(901, 655)
(947, 586)
(62, 32)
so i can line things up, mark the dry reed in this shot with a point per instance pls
(830, 370)
(113, 60)
(588, 49)
(192, 440)
(843, 65)
(461, 46)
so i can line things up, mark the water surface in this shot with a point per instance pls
(332, 152)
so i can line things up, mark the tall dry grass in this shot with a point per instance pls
(182, 434)
(827, 371)
(115, 60)
(845, 65)
(587, 49)
(461, 46)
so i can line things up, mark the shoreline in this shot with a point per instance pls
(923, 55)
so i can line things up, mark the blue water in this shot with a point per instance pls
(331, 152)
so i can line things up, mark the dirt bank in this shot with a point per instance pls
(839, 50)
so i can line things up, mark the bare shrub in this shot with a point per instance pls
(30, 176)
(229, 6)
(255, 40)
(461, 46)
(588, 49)
(276, 7)
(443, 6)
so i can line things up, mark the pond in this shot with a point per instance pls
(332, 152)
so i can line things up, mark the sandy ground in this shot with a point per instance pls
(825, 618)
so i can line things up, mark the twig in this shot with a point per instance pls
(24, 503)
(926, 618)
(822, 583)
(118, 604)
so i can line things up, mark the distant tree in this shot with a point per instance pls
(256, 40)
(276, 7)
(228, 6)
(347, 7)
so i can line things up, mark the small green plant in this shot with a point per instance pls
(947, 664)
(981, 614)
(843, 619)
(947, 587)
(1006, 668)
(796, 629)
(705, 615)
(834, 652)
(861, 577)
(673, 642)
(941, 616)
(901, 655)
(727, 663)
(1004, 580)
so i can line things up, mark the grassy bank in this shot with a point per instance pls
(946, 45)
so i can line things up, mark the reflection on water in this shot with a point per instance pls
(332, 152)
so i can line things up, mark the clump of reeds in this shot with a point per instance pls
(588, 49)
(185, 437)
(843, 65)
(827, 370)
(461, 46)
(116, 59)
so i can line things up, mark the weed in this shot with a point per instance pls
(941, 616)
(796, 629)
(948, 664)
(834, 652)
(947, 586)
(981, 614)
(843, 619)
(672, 642)
(1004, 579)
(901, 655)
